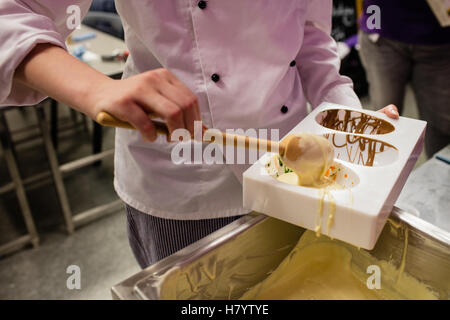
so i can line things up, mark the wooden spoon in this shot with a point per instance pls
(105, 119)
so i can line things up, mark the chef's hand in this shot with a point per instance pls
(391, 111)
(158, 92)
(54, 72)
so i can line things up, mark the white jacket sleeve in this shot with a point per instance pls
(318, 61)
(23, 25)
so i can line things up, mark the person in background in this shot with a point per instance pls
(232, 64)
(103, 6)
(410, 47)
(103, 16)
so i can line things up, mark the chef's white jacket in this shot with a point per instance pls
(270, 56)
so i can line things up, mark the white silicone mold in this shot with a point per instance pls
(376, 153)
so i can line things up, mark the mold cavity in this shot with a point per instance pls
(353, 122)
(362, 150)
(344, 176)
(338, 174)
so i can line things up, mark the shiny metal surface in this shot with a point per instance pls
(254, 245)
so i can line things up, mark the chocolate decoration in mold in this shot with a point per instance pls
(353, 122)
(362, 150)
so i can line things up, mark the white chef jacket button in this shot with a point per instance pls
(293, 63)
(215, 77)
(284, 109)
(202, 4)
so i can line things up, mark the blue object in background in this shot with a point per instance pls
(84, 36)
(79, 51)
(442, 158)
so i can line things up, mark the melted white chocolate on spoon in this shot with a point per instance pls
(309, 156)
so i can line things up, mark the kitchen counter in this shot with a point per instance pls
(426, 193)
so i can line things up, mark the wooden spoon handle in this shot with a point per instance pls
(105, 119)
(247, 142)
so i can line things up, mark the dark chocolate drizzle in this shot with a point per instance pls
(373, 147)
(361, 124)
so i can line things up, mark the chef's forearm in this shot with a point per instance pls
(52, 71)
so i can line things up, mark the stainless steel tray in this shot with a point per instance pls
(238, 256)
